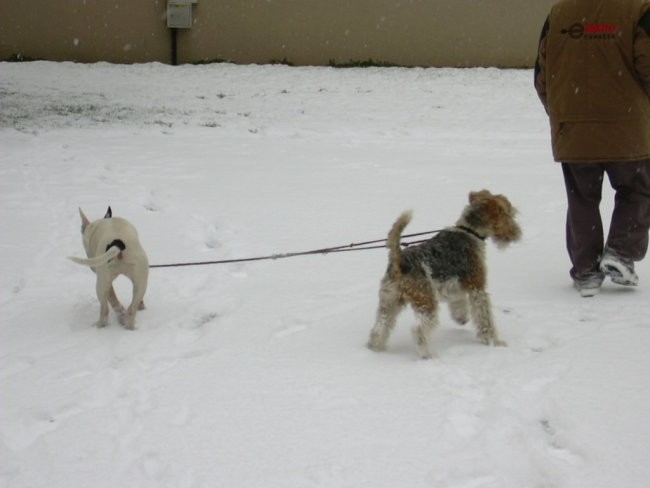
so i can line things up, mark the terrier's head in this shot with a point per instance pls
(491, 216)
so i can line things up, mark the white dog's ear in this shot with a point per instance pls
(109, 213)
(84, 220)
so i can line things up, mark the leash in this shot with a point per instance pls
(359, 246)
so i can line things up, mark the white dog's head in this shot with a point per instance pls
(86, 227)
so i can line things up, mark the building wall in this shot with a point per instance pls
(118, 31)
(500, 33)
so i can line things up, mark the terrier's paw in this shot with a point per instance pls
(374, 346)
(490, 340)
(421, 342)
(461, 319)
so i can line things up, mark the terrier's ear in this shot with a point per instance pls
(476, 196)
(84, 220)
(109, 213)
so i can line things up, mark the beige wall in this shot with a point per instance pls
(118, 31)
(406, 32)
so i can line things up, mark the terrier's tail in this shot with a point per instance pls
(100, 260)
(393, 242)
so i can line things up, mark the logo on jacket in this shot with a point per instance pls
(591, 31)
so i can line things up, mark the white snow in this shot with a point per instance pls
(256, 374)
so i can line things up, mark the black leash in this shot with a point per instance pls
(359, 246)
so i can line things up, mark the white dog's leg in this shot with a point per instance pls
(137, 303)
(129, 318)
(387, 311)
(102, 287)
(482, 315)
(117, 306)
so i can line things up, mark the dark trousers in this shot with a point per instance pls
(628, 228)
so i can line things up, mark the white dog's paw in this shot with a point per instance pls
(129, 321)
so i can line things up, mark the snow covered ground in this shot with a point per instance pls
(256, 374)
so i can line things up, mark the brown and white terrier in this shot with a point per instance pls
(448, 267)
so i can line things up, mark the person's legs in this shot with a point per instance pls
(584, 227)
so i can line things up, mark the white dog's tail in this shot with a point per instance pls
(393, 241)
(100, 260)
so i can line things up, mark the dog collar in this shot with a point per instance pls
(471, 231)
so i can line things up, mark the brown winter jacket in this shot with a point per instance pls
(593, 77)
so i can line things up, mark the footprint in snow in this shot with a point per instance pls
(465, 425)
(152, 466)
(182, 416)
(11, 366)
(288, 331)
(556, 449)
(33, 425)
(151, 207)
(206, 319)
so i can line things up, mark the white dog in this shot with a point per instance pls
(113, 249)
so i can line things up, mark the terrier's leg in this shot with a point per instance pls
(426, 310)
(459, 308)
(481, 310)
(387, 311)
(422, 332)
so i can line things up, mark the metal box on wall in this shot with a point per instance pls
(179, 14)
